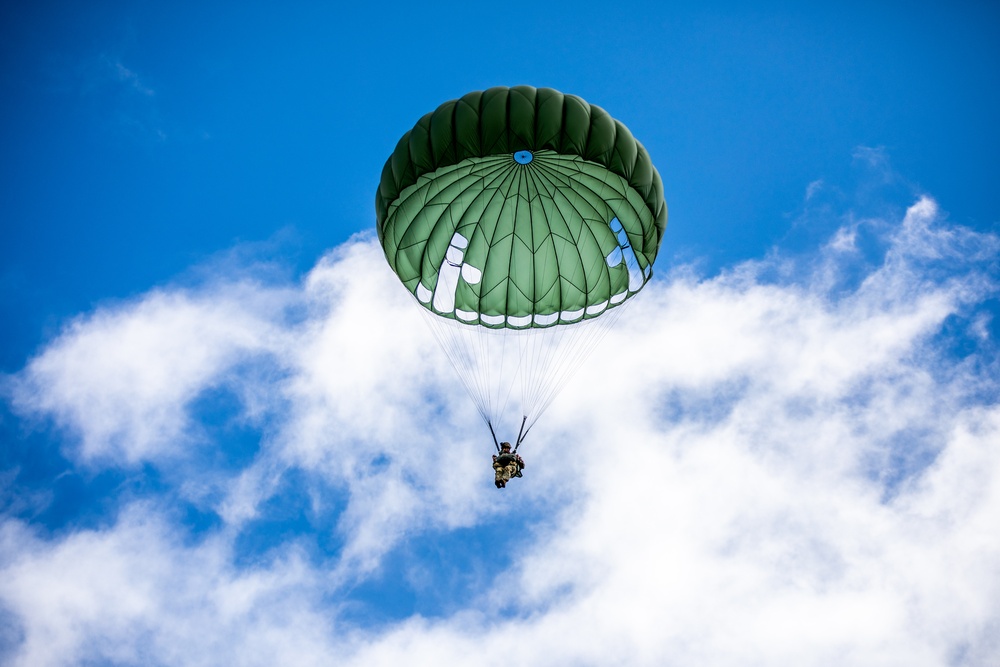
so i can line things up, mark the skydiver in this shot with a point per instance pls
(508, 464)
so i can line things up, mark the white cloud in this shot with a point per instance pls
(135, 595)
(750, 471)
(122, 378)
(340, 388)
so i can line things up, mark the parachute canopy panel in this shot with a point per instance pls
(517, 208)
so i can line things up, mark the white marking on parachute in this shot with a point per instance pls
(471, 274)
(452, 268)
(444, 293)
(596, 308)
(636, 279)
(423, 294)
(615, 258)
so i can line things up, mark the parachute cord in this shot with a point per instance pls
(506, 337)
(521, 438)
(457, 351)
(493, 433)
(521, 433)
(597, 330)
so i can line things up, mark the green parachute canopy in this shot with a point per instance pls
(517, 208)
(521, 220)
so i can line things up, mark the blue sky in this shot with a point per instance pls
(227, 438)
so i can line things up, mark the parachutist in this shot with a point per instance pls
(518, 218)
(506, 465)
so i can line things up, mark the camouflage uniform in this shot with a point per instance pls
(506, 465)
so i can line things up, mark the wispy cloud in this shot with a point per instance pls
(813, 188)
(130, 78)
(119, 96)
(771, 465)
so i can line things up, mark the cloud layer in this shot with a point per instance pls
(793, 462)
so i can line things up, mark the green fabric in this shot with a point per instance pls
(503, 209)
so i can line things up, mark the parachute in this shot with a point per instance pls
(522, 221)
